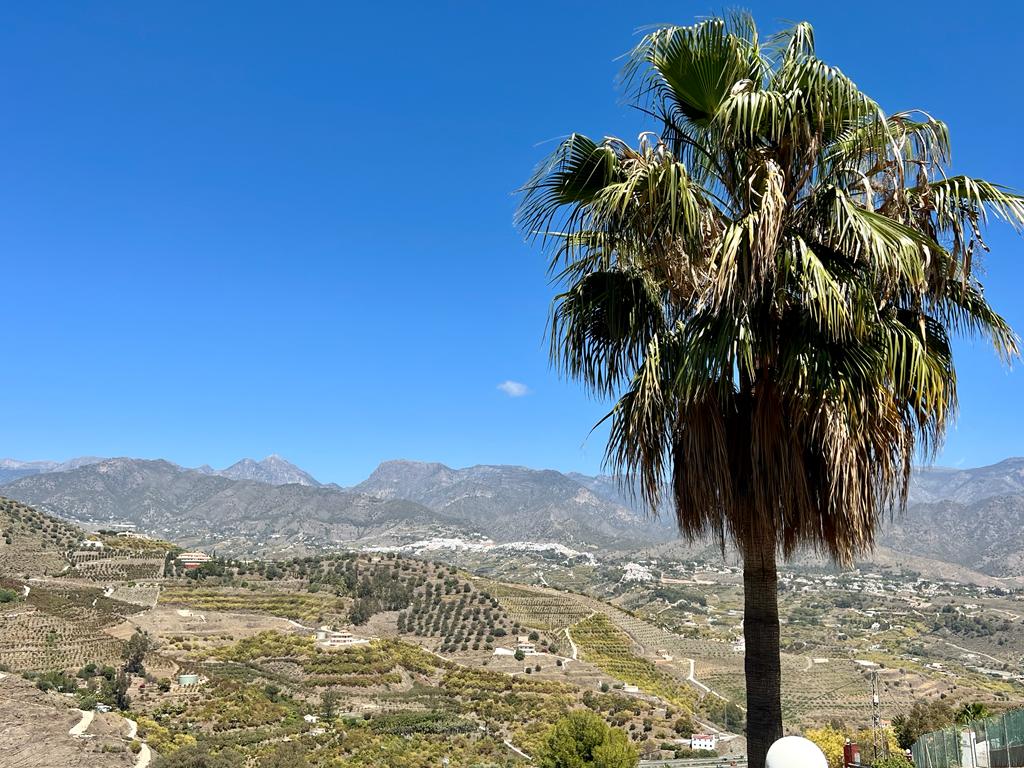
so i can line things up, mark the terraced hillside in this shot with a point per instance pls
(33, 543)
(61, 626)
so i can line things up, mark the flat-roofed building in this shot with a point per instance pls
(193, 559)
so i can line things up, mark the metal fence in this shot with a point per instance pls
(994, 742)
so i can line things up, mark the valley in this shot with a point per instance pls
(418, 648)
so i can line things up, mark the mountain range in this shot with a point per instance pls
(273, 469)
(968, 518)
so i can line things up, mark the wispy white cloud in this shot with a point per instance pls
(514, 388)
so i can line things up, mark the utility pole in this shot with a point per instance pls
(876, 714)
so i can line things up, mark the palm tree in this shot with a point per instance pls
(970, 712)
(767, 286)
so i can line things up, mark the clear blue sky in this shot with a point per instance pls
(232, 229)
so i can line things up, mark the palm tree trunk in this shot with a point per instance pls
(761, 637)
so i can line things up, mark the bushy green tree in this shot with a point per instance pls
(683, 726)
(121, 698)
(582, 739)
(925, 715)
(135, 653)
(329, 703)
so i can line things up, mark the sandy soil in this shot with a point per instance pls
(203, 629)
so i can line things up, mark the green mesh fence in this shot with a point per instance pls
(938, 749)
(999, 740)
(994, 742)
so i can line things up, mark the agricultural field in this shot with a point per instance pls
(454, 617)
(272, 602)
(118, 566)
(58, 626)
(605, 646)
(546, 610)
(389, 696)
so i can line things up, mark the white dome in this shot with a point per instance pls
(795, 752)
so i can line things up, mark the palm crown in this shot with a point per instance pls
(767, 285)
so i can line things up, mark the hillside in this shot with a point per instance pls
(401, 502)
(986, 535)
(32, 543)
(193, 508)
(12, 469)
(422, 660)
(967, 519)
(514, 503)
(967, 486)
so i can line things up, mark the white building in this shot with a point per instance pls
(328, 638)
(91, 544)
(703, 741)
(193, 559)
(528, 648)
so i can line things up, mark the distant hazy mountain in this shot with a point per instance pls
(11, 469)
(986, 535)
(971, 519)
(401, 501)
(509, 503)
(273, 470)
(968, 485)
(210, 510)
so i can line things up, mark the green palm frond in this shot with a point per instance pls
(767, 287)
(694, 68)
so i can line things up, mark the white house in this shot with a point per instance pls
(310, 718)
(328, 638)
(527, 648)
(91, 544)
(703, 741)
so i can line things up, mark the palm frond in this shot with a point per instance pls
(767, 287)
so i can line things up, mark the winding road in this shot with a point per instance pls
(79, 728)
(78, 731)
